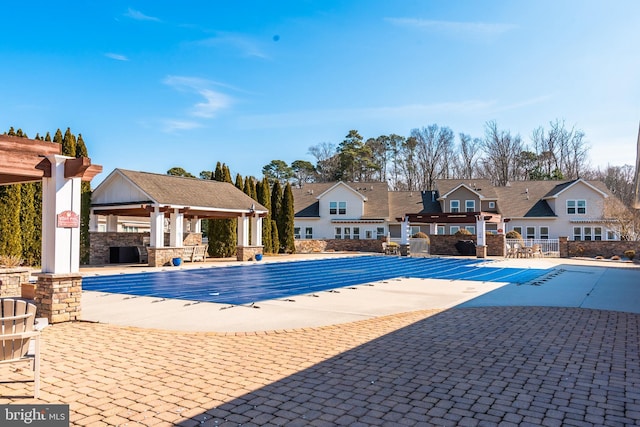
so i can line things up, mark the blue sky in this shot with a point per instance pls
(156, 84)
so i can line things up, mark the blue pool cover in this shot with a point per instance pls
(263, 281)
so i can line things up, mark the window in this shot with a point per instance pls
(415, 229)
(544, 232)
(597, 233)
(441, 229)
(471, 229)
(296, 232)
(356, 233)
(531, 232)
(338, 234)
(492, 205)
(470, 205)
(576, 207)
(337, 208)
(347, 232)
(454, 229)
(577, 233)
(368, 234)
(454, 206)
(611, 235)
(380, 232)
(308, 233)
(587, 233)
(517, 230)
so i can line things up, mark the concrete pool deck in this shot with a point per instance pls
(603, 285)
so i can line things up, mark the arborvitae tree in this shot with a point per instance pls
(287, 221)
(57, 137)
(276, 207)
(47, 137)
(11, 132)
(85, 209)
(239, 183)
(10, 234)
(69, 144)
(263, 195)
(28, 217)
(222, 232)
(275, 240)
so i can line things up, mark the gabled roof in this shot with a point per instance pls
(415, 202)
(482, 187)
(597, 186)
(175, 191)
(375, 196)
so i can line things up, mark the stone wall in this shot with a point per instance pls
(594, 248)
(159, 257)
(248, 253)
(338, 245)
(101, 242)
(11, 280)
(445, 244)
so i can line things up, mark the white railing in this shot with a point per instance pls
(550, 248)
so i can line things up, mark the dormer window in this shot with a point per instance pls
(576, 207)
(454, 206)
(337, 208)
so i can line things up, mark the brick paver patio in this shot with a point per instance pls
(464, 366)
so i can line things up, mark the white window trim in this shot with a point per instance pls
(466, 205)
(451, 202)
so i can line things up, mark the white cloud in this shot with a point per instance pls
(213, 101)
(245, 45)
(116, 56)
(171, 125)
(453, 27)
(139, 16)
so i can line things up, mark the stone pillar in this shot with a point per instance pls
(563, 243)
(58, 296)
(481, 251)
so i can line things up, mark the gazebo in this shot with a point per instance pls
(179, 201)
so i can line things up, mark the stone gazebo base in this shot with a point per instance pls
(248, 253)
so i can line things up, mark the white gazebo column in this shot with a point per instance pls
(405, 232)
(243, 231)
(481, 232)
(176, 235)
(59, 288)
(93, 221)
(112, 223)
(433, 229)
(256, 226)
(196, 226)
(156, 237)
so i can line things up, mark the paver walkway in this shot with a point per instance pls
(464, 366)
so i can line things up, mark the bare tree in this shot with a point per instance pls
(433, 145)
(466, 162)
(501, 151)
(396, 143)
(327, 161)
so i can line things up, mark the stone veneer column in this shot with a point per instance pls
(563, 243)
(58, 296)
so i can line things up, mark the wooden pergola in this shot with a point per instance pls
(25, 160)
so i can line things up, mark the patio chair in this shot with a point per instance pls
(17, 319)
(512, 251)
(536, 251)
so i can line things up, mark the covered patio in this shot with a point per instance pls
(172, 203)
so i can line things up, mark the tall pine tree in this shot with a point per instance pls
(276, 207)
(222, 232)
(263, 195)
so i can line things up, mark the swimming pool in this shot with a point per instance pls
(279, 280)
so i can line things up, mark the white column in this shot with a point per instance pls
(256, 235)
(176, 235)
(433, 229)
(481, 229)
(112, 223)
(405, 231)
(196, 227)
(93, 221)
(60, 220)
(156, 238)
(243, 231)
